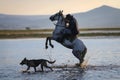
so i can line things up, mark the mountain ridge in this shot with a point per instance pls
(103, 16)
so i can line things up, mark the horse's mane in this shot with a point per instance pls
(63, 19)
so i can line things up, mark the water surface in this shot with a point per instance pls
(103, 60)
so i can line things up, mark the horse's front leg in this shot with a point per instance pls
(50, 38)
(46, 44)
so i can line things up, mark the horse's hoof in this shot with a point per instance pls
(52, 46)
(46, 47)
(77, 64)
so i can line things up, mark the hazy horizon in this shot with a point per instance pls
(57, 11)
(46, 7)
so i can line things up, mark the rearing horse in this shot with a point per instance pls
(78, 47)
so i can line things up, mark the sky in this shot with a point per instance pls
(44, 7)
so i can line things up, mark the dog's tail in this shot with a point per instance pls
(51, 62)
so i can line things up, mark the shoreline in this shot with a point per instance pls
(42, 33)
(15, 36)
(82, 37)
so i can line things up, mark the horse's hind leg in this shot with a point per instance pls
(77, 54)
(80, 56)
(83, 55)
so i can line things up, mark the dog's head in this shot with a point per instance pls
(24, 61)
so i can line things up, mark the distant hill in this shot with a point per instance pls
(101, 17)
(23, 21)
(104, 16)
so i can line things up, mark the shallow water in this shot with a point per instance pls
(103, 60)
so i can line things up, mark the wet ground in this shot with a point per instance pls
(102, 60)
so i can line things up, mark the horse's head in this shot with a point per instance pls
(59, 25)
(57, 16)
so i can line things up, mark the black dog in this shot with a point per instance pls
(34, 63)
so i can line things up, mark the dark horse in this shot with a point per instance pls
(78, 47)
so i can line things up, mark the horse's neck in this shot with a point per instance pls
(60, 25)
(61, 22)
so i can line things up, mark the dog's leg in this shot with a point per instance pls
(42, 68)
(35, 69)
(48, 66)
(28, 68)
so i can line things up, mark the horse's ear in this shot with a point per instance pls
(25, 58)
(61, 11)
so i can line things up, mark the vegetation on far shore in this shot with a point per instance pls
(42, 33)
